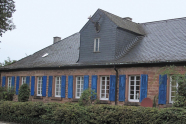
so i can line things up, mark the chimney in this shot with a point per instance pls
(127, 18)
(56, 39)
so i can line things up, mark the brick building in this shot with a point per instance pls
(114, 56)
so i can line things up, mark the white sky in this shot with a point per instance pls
(38, 21)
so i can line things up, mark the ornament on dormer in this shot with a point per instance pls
(96, 23)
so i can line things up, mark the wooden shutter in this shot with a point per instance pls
(143, 87)
(13, 82)
(122, 82)
(162, 89)
(3, 81)
(27, 80)
(63, 86)
(50, 86)
(17, 85)
(70, 86)
(32, 85)
(86, 82)
(94, 84)
(44, 85)
(112, 87)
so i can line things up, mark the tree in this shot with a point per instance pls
(7, 62)
(7, 8)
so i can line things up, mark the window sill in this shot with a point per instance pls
(75, 100)
(38, 97)
(104, 102)
(96, 52)
(132, 103)
(56, 98)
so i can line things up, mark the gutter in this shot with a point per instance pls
(116, 84)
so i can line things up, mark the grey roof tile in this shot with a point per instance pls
(125, 24)
(64, 52)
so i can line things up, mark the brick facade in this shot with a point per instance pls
(152, 72)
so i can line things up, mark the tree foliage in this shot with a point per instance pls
(7, 8)
(24, 93)
(7, 62)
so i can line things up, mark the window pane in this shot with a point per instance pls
(103, 82)
(137, 82)
(132, 87)
(108, 87)
(103, 78)
(131, 96)
(174, 89)
(173, 83)
(107, 95)
(131, 92)
(137, 77)
(137, 87)
(102, 91)
(137, 94)
(108, 78)
(132, 83)
(132, 77)
(103, 86)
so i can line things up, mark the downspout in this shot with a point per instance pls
(116, 84)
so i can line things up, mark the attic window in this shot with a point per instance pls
(96, 45)
(46, 54)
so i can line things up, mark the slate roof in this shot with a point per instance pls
(164, 41)
(125, 24)
(61, 53)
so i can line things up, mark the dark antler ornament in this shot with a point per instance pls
(96, 23)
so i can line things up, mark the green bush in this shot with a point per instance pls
(56, 113)
(6, 94)
(24, 93)
(87, 97)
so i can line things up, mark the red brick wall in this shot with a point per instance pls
(153, 81)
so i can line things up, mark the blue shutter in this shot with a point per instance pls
(94, 84)
(32, 85)
(44, 85)
(143, 87)
(50, 86)
(70, 86)
(27, 80)
(3, 81)
(13, 82)
(122, 82)
(86, 82)
(162, 89)
(63, 86)
(17, 85)
(112, 87)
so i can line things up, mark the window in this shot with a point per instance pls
(96, 45)
(104, 82)
(9, 82)
(58, 87)
(173, 88)
(23, 80)
(134, 88)
(79, 86)
(39, 86)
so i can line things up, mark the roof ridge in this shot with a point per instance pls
(118, 16)
(164, 20)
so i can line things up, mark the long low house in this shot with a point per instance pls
(114, 56)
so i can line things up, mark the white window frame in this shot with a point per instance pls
(105, 89)
(23, 80)
(9, 82)
(170, 89)
(134, 100)
(58, 85)
(81, 84)
(39, 81)
(95, 44)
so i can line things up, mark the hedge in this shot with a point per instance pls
(55, 113)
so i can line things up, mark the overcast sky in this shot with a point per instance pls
(38, 21)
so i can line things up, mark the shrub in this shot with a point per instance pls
(57, 113)
(87, 97)
(6, 94)
(24, 93)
